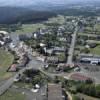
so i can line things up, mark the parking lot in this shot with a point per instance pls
(92, 71)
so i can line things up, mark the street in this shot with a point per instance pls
(72, 46)
(32, 64)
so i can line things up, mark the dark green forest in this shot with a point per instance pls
(13, 15)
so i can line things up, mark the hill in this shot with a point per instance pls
(10, 15)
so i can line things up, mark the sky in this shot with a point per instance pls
(30, 2)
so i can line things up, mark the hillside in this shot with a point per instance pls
(9, 15)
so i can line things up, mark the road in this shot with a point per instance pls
(32, 64)
(72, 46)
(38, 65)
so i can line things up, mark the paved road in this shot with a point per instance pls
(72, 46)
(32, 64)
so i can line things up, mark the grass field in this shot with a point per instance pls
(29, 28)
(11, 95)
(24, 85)
(59, 19)
(86, 34)
(97, 26)
(89, 29)
(95, 50)
(6, 60)
(86, 97)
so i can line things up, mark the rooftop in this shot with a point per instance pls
(79, 77)
(54, 92)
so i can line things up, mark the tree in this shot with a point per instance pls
(89, 81)
(36, 80)
(76, 98)
(56, 79)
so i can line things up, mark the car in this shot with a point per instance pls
(16, 80)
(34, 90)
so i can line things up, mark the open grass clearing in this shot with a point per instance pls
(59, 19)
(93, 41)
(11, 95)
(6, 60)
(29, 28)
(86, 97)
(95, 50)
(89, 29)
(97, 27)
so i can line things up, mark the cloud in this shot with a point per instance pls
(32, 2)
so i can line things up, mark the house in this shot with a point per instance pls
(55, 50)
(49, 51)
(55, 92)
(4, 38)
(20, 51)
(79, 77)
(62, 67)
(58, 50)
(13, 68)
(23, 61)
(39, 33)
(62, 39)
(52, 59)
(60, 31)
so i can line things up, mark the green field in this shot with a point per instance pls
(88, 29)
(86, 34)
(6, 60)
(95, 50)
(11, 95)
(29, 28)
(83, 96)
(59, 19)
(97, 27)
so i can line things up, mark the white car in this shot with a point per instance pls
(16, 80)
(34, 90)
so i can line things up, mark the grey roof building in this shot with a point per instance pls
(55, 92)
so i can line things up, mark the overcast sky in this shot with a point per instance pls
(28, 2)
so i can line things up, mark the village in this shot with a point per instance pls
(54, 62)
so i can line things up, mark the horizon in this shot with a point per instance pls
(36, 2)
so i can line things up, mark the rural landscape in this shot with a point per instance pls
(50, 50)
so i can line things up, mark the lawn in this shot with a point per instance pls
(62, 57)
(93, 41)
(6, 60)
(23, 85)
(97, 26)
(95, 50)
(84, 96)
(88, 29)
(87, 34)
(59, 19)
(29, 28)
(11, 95)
